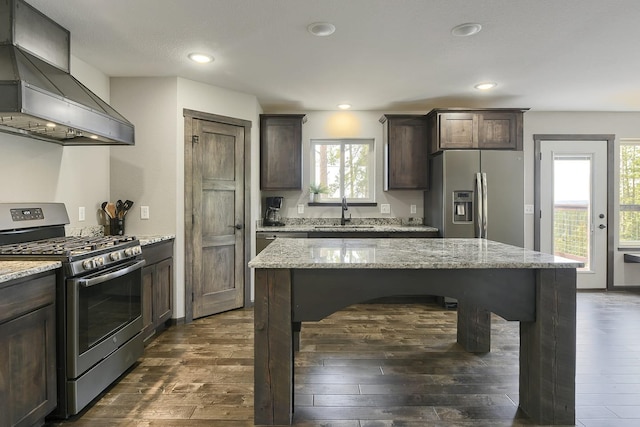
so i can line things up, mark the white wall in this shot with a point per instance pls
(348, 124)
(39, 171)
(622, 125)
(152, 172)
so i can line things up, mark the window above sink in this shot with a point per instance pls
(345, 167)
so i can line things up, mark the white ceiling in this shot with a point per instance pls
(393, 55)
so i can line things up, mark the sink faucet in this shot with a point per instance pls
(344, 220)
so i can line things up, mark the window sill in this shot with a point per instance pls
(340, 204)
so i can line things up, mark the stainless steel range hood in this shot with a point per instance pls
(39, 98)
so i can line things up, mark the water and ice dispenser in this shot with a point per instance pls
(462, 206)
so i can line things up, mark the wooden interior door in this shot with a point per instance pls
(217, 233)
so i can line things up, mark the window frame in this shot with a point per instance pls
(343, 142)
(633, 207)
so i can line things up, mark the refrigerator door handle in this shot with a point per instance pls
(479, 210)
(485, 205)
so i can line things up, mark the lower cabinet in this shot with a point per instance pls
(157, 288)
(28, 354)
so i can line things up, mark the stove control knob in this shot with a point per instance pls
(88, 264)
(132, 251)
(114, 256)
(99, 261)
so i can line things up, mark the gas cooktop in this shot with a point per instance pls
(64, 247)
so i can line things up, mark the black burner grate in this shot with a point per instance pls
(64, 246)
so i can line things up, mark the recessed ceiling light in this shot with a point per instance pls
(344, 106)
(94, 137)
(466, 30)
(486, 85)
(321, 29)
(51, 125)
(200, 58)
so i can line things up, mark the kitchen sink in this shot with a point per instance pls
(343, 226)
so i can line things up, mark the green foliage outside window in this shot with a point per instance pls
(629, 221)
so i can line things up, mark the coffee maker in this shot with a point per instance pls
(272, 212)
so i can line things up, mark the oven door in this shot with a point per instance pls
(103, 312)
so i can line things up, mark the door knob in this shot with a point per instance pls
(238, 226)
(602, 226)
(601, 216)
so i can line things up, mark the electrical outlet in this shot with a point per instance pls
(144, 212)
(81, 213)
(385, 208)
(528, 209)
(412, 209)
(300, 208)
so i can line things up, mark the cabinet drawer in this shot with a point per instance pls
(26, 295)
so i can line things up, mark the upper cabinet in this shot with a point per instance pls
(497, 129)
(281, 151)
(405, 152)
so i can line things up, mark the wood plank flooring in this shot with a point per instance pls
(375, 365)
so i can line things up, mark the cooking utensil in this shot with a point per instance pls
(119, 209)
(111, 210)
(104, 209)
(126, 206)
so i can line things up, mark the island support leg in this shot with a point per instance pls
(548, 350)
(474, 328)
(273, 352)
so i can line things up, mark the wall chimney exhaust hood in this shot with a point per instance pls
(39, 98)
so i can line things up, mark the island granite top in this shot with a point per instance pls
(403, 253)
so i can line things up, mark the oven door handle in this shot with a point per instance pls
(113, 275)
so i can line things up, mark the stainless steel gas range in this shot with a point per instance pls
(98, 297)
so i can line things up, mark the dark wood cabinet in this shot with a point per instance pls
(28, 355)
(405, 152)
(281, 151)
(493, 129)
(157, 288)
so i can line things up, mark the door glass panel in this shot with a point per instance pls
(572, 208)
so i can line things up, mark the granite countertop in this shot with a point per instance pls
(364, 228)
(149, 240)
(364, 225)
(10, 270)
(402, 253)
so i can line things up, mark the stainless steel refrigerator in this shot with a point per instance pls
(477, 193)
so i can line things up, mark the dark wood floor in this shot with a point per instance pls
(375, 365)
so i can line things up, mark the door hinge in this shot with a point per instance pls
(195, 139)
(193, 298)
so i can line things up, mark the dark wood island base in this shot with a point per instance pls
(543, 300)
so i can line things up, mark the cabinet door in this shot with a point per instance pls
(407, 149)
(163, 292)
(458, 130)
(497, 130)
(148, 273)
(281, 152)
(28, 367)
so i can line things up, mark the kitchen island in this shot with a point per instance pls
(300, 280)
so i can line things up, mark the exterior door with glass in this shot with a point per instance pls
(572, 182)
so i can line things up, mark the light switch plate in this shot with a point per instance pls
(412, 209)
(300, 208)
(385, 208)
(81, 213)
(144, 212)
(528, 209)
